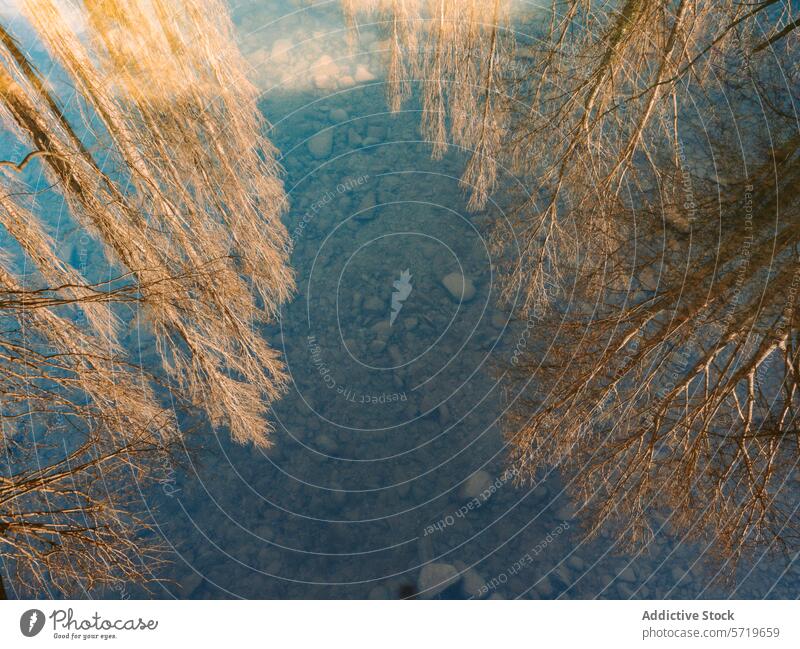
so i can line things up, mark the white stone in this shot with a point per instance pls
(323, 81)
(339, 115)
(325, 65)
(280, 50)
(363, 75)
(472, 583)
(259, 58)
(461, 288)
(325, 73)
(320, 145)
(476, 484)
(435, 577)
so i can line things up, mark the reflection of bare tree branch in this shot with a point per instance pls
(680, 397)
(186, 203)
(684, 398)
(776, 37)
(19, 166)
(464, 51)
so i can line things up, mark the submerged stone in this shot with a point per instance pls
(460, 287)
(321, 144)
(436, 577)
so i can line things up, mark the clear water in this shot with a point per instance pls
(370, 475)
(387, 453)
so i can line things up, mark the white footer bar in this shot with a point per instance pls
(400, 624)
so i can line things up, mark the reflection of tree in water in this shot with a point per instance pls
(676, 258)
(671, 383)
(680, 393)
(164, 167)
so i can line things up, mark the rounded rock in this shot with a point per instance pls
(436, 577)
(320, 145)
(459, 286)
(476, 484)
